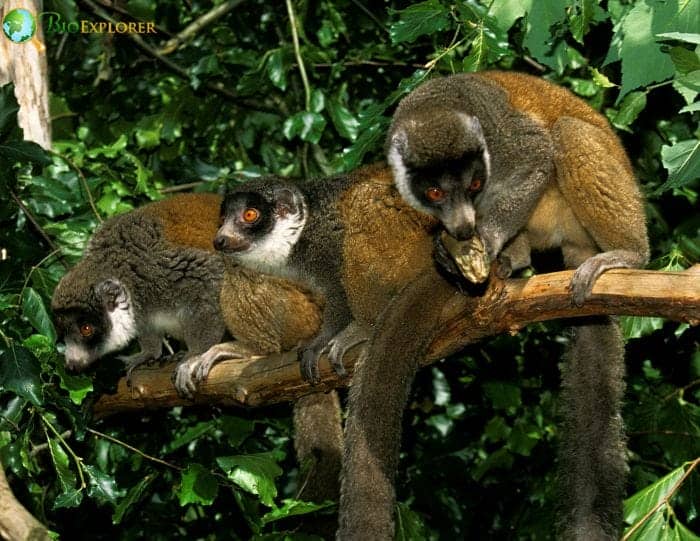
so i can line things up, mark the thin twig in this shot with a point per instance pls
(371, 15)
(680, 392)
(39, 229)
(191, 29)
(36, 449)
(297, 54)
(134, 449)
(182, 187)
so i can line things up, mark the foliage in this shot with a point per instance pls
(131, 124)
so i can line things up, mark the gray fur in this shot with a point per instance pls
(594, 205)
(170, 289)
(314, 259)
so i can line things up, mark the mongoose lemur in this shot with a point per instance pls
(153, 271)
(524, 164)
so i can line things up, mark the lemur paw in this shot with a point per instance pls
(134, 361)
(586, 275)
(308, 360)
(352, 335)
(503, 267)
(194, 369)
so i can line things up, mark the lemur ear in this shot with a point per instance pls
(399, 140)
(113, 294)
(285, 202)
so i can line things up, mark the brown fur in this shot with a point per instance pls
(387, 243)
(559, 179)
(188, 219)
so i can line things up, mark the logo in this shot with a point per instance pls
(19, 25)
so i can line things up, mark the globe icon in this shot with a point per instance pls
(19, 25)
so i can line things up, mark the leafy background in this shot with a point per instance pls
(134, 120)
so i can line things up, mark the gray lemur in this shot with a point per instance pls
(524, 164)
(144, 274)
(154, 271)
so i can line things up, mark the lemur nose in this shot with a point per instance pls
(464, 232)
(220, 242)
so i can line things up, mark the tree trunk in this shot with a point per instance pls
(24, 64)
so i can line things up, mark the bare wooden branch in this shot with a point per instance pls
(505, 307)
(16, 523)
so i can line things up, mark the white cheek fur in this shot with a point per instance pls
(272, 252)
(123, 327)
(400, 172)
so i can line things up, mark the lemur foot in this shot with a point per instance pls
(590, 270)
(352, 335)
(135, 360)
(194, 369)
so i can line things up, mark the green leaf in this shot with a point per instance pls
(70, 498)
(506, 12)
(680, 36)
(633, 104)
(78, 386)
(197, 485)
(254, 473)
(600, 79)
(101, 486)
(237, 430)
(308, 126)
(34, 310)
(192, 433)
(692, 108)
(539, 40)
(20, 373)
(636, 327)
(503, 395)
(581, 14)
(61, 464)
(643, 61)
(419, 19)
(25, 152)
(133, 496)
(276, 70)
(639, 504)
(343, 120)
(685, 60)
(682, 160)
(292, 508)
(409, 524)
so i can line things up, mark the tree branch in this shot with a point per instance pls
(504, 307)
(16, 523)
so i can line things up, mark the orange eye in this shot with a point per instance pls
(251, 215)
(435, 194)
(86, 330)
(475, 186)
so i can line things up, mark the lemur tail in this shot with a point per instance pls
(377, 398)
(592, 465)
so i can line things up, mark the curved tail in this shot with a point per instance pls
(377, 398)
(592, 466)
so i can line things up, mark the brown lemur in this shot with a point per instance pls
(524, 164)
(153, 271)
(353, 241)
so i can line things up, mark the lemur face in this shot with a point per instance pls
(260, 223)
(96, 326)
(440, 164)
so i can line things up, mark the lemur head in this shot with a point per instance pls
(93, 319)
(261, 221)
(440, 163)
